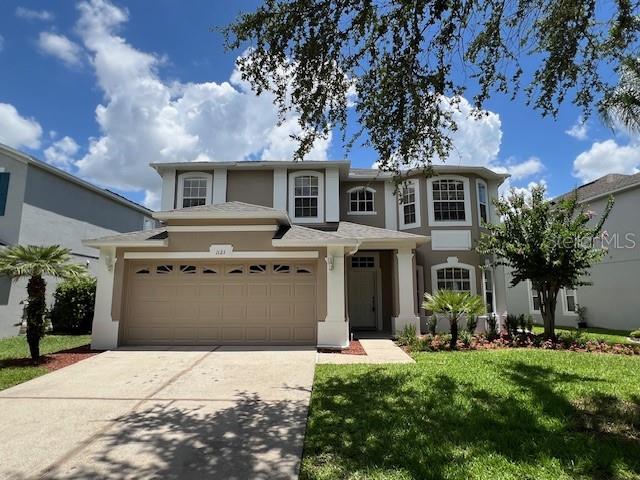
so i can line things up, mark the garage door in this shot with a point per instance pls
(237, 303)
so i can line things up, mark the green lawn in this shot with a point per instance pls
(505, 414)
(12, 349)
(604, 334)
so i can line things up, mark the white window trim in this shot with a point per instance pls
(480, 182)
(467, 202)
(493, 287)
(321, 199)
(453, 262)
(565, 307)
(530, 297)
(413, 183)
(186, 175)
(356, 212)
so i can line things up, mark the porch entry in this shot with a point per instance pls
(364, 291)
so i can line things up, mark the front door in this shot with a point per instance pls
(363, 292)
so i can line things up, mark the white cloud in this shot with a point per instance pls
(529, 167)
(61, 47)
(527, 190)
(578, 130)
(29, 14)
(607, 157)
(16, 130)
(61, 153)
(145, 119)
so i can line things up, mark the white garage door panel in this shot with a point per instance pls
(254, 303)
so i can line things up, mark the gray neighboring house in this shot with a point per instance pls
(42, 205)
(613, 299)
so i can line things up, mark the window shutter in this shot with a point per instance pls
(4, 190)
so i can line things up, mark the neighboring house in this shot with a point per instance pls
(41, 205)
(292, 253)
(612, 301)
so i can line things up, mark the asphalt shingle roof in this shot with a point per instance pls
(604, 185)
(139, 236)
(228, 207)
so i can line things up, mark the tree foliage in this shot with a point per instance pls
(621, 107)
(35, 263)
(409, 61)
(455, 305)
(551, 244)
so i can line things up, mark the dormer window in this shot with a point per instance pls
(194, 189)
(306, 197)
(362, 201)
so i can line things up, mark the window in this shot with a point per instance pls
(363, 262)
(457, 279)
(306, 196)
(487, 274)
(4, 191)
(483, 203)
(209, 270)
(143, 271)
(303, 270)
(194, 189)
(235, 270)
(534, 298)
(570, 304)
(449, 201)
(281, 269)
(361, 200)
(164, 269)
(409, 205)
(188, 269)
(257, 269)
(453, 275)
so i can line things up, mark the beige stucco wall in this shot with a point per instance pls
(253, 186)
(376, 220)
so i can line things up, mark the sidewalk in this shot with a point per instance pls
(379, 350)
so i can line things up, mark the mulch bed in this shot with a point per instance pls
(354, 348)
(54, 361)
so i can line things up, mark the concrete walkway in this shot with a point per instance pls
(379, 350)
(220, 413)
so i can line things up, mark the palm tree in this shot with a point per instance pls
(622, 106)
(454, 305)
(36, 262)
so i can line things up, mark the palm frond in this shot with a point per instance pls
(21, 261)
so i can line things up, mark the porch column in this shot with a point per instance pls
(334, 331)
(406, 292)
(104, 333)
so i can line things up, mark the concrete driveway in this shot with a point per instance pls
(220, 413)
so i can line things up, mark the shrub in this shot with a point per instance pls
(432, 324)
(529, 323)
(472, 323)
(492, 323)
(74, 301)
(512, 324)
(522, 322)
(409, 336)
(635, 333)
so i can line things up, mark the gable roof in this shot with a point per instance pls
(606, 185)
(156, 237)
(29, 160)
(230, 210)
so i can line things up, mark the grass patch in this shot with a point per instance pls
(604, 334)
(507, 414)
(15, 348)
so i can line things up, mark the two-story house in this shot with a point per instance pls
(42, 205)
(611, 301)
(292, 253)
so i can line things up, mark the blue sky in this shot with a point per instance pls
(101, 89)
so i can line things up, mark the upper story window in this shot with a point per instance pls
(409, 205)
(306, 197)
(194, 189)
(362, 201)
(4, 190)
(483, 201)
(449, 201)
